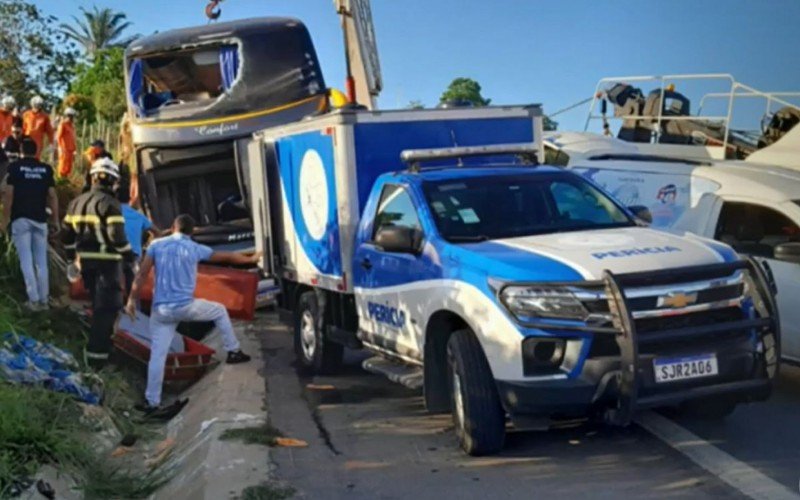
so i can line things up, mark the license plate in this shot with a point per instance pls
(674, 369)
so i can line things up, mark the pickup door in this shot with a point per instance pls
(385, 281)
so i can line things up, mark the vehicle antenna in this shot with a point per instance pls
(455, 145)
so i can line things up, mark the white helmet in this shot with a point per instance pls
(105, 166)
(70, 112)
(9, 102)
(37, 101)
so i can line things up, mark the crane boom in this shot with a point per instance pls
(361, 50)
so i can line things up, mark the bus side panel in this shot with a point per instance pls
(310, 212)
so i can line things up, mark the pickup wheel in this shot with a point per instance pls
(479, 418)
(709, 408)
(315, 353)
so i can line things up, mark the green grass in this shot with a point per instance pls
(39, 426)
(262, 434)
(267, 492)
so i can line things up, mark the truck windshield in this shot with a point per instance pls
(487, 208)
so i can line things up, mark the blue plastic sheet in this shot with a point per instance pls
(136, 85)
(229, 65)
(24, 360)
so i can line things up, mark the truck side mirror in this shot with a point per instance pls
(397, 239)
(788, 252)
(642, 212)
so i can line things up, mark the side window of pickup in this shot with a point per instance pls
(396, 208)
(753, 229)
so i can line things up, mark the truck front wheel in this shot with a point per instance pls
(315, 352)
(477, 414)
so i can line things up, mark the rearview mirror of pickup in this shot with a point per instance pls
(398, 239)
(642, 213)
(788, 252)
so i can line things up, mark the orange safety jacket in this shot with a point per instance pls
(65, 138)
(36, 124)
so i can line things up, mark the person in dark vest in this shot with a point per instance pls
(96, 246)
(12, 145)
(29, 192)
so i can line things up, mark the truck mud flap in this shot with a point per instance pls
(234, 288)
(767, 324)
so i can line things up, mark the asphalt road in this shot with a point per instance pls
(370, 438)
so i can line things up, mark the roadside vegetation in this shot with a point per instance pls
(38, 426)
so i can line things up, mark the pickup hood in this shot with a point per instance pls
(586, 254)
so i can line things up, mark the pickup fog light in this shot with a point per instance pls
(542, 356)
(543, 302)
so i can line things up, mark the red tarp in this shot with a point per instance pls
(233, 288)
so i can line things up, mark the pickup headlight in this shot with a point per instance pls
(527, 302)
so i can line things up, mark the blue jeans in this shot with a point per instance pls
(164, 320)
(30, 240)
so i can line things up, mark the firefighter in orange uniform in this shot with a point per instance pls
(65, 138)
(37, 125)
(7, 107)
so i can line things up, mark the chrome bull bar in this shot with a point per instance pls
(766, 324)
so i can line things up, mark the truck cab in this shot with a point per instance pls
(502, 287)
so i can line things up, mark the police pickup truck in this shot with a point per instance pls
(507, 289)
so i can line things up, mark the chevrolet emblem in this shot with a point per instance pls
(677, 300)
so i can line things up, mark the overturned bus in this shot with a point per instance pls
(195, 96)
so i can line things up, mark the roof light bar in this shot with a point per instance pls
(413, 157)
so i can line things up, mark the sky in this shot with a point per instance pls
(523, 51)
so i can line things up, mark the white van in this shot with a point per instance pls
(753, 207)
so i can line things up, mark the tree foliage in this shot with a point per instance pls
(83, 104)
(109, 99)
(464, 89)
(35, 57)
(103, 81)
(99, 29)
(415, 104)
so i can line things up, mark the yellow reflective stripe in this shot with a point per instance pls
(72, 246)
(115, 219)
(244, 116)
(82, 219)
(100, 255)
(126, 248)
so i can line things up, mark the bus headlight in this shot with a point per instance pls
(542, 302)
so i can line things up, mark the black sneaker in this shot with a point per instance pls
(236, 357)
(161, 412)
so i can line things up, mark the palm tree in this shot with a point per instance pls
(99, 29)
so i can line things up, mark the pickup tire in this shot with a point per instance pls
(315, 353)
(479, 419)
(715, 408)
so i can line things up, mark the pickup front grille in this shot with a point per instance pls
(675, 299)
(702, 318)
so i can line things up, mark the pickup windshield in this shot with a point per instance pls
(495, 207)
